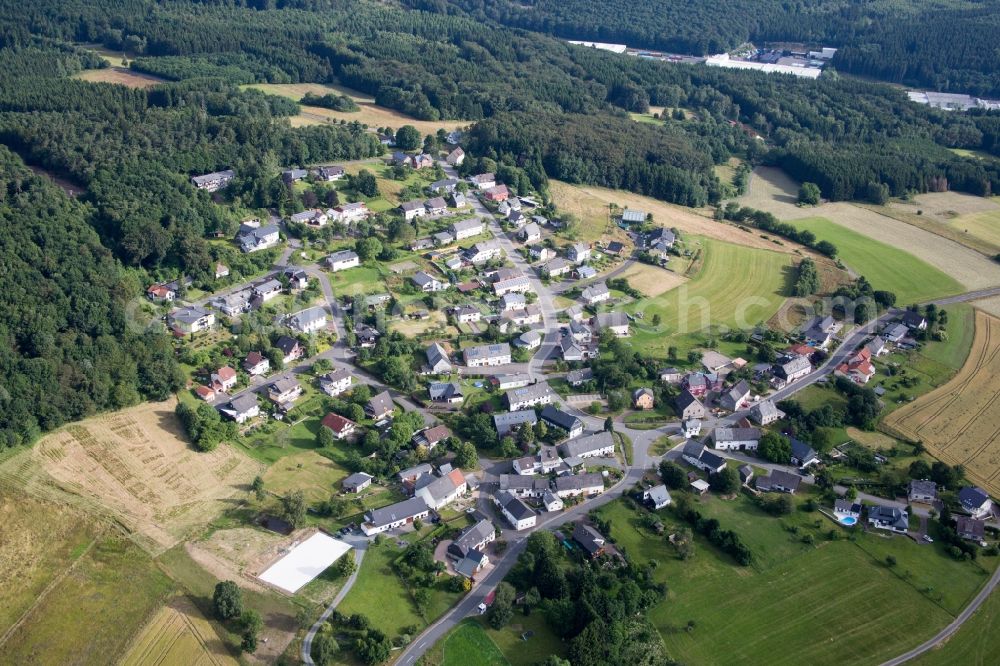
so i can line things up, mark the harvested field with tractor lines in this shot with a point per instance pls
(956, 422)
(178, 634)
(135, 467)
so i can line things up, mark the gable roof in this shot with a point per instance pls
(559, 418)
(381, 403)
(589, 538)
(396, 512)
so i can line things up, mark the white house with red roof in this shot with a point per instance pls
(340, 427)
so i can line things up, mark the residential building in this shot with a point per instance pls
(395, 515)
(445, 186)
(914, 321)
(596, 293)
(297, 278)
(530, 314)
(529, 396)
(578, 253)
(698, 456)
(342, 260)
(507, 422)
(530, 233)
(409, 476)
(617, 322)
(518, 514)
(437, 359)
(436, 206)
(212, 182)
(309, 320)
(540, 253)
(529, 340)
(256, 364)
(314, 217)
(877, 347)
(512, 302)
(888, 518)
(380, 406)
(576, 485)
(557, 418)
(473, 538)
(444, 238)
(242, 408)
(523, 485)
(412, 209)
(643, 398)
(467, 313)
(735, 398)
(858, 367)
(483, 181)
(556, 267)
(577, 378)
(235, 303)
(779, 481)
(746, 473)
(765, 413)
(350, 212)
(975, 501)
(802, 455)
(657, 497)
(267, 289)
(845, 508)
(487, 355)
(922, 490)
(551, 502)
(819, 332)
(448, 392)
(456, 157)
(736, 439)
(459, 200)
(330, 174)
(284, 391)
(589, 539)
(431, 437)
(598, 445)
(671, 376)
(691, 427)
(185, 321)
(340, 427)
(293, 175)
(791, 369)
(688, 406)
(356, 482)
(444, 490)
(895, 332)
(517, 284)
(497, 193)
(253, 236)
(290, 348)
(336, 382)
(971, 529)
(224, 379)
(630, 216)
(428, 283)
(482, 252)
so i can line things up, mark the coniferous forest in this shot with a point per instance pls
(538, 103)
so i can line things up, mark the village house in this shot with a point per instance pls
(350, 213)
(446, 186)
(971, 529)
(632, 216)
(922, 490)
(290, 349)
(791, 369)
(215, 181)
(422, 161)
(330, 174)
(458, 200)
(342, 260)
(617, 322)
(556, 268)
(482, 252)
(802, 454)
(428, 283)
(585, 272)
(894, 332)
(671, 376)
(698, 456)
(297, 278)
(688, 406)
(551, 502)
(336, 382)
(659, 242)
(513, 284)
(483, 181)
(565, 422)
(395, 515)
(356, 482)
(643, 398)
(529, 340)
(518, 514)
(779, 481)
(529, 233)
(467, 551)
(455, 157)
(858, 367)
(877, 347)
(577, 378)
(444, 490)
(888, 518)
(765, 413)
(380, 406)
(437, 359)
(529, 396)
(266, 290)
(497, 193)
(577, 485)
(578, 253)
(186, 321)
(914, 321)
(656, 497)
(589, 539)
(284, 391)
(523, 485)
(506, 422)
(487, 355)
(436, 206)
(256, 364)
(445, 238)
(341, 427)
(409, 476)
(975, 501)
(313, 217)
(412, 210)
(224, 379)
(598, 445)
(447, 392)
(736, 439)
(253, 236)
(167, 291)
(691, 428)
(819, 332)
(467, 313)
(431, 437)
(242, 408)
(513, 301)
(596, 293)
(845, 508)
(290, 176)
(467, 228)
(736, 398)
(540, 253)
(309, 320)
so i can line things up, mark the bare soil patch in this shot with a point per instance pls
(957, 422)
(135, 467)
(119, 75)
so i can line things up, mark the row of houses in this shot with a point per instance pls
(431, 492)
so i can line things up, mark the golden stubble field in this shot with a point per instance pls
(958, 422)
(121, 75)
(135, 467)
(178, 634)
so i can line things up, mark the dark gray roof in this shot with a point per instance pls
(579, 481)
(356, 479)
(396, 512)
(781, 478)
(582, 375)
(515, 507)
(381, 403)
(503, 422)
(589, 538)
(972, 497)
(577, 447)
(473, 535)
(802, 451)
(559, 418)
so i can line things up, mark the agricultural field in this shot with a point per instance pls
(369, 114)
(976, 643)
(591, 203)
(885, 266)
(771, 190)
(651, 280)
(90, 614)
(828, 602)
(178, 634)
(591, 211)
(119, 75)
(134, 466)
(956, 421)
(734, 286)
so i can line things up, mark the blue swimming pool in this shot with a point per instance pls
(848, 520)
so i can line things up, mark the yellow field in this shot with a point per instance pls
(958, 421)
(125, 77)
(651, 280)
(590, 204)
(178, 634)
(369, 114)
(135, 467)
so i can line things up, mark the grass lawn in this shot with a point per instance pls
(364, 279)
(316, 475)
(379, 593)
(736, 287)
(467, 645)
(830, 602)
(91, 615)
(961, 328)
(520, 652)
(977, 643)
(985, 226)
(886, 267)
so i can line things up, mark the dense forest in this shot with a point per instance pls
(944, 45)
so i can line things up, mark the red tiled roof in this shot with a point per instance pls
(336, 422)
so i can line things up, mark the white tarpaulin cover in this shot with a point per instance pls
(304, 562)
